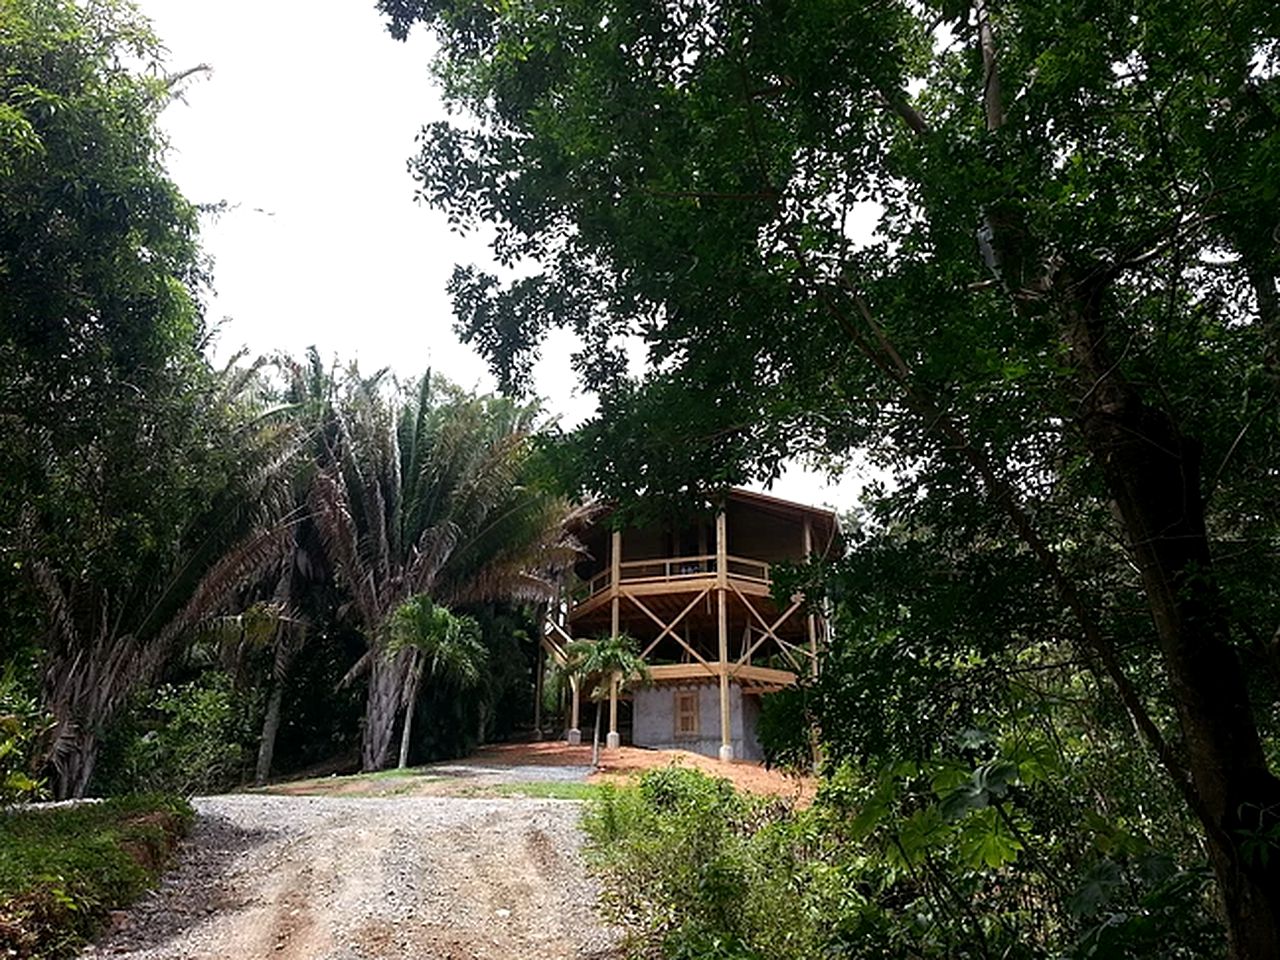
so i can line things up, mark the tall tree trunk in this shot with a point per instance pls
(82, 691)
(410, 702)
(270, 728)
(382, 704)
(74, 755)
(282, 656)
(1153, 473)
(537, 693)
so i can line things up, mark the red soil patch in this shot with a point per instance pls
(618, 765)
(152, 837)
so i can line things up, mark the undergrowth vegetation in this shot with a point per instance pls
(22, 722)
(879, 867)
(63, 869)
(183, 739)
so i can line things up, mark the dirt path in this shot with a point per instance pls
(547, 762)
(348, 878)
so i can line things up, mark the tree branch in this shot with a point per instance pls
(991, 100)
(899, 104)
(881, 352)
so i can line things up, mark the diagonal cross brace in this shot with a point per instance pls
(770, 630)
(669, 628)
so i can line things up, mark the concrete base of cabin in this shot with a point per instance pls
(687, 717)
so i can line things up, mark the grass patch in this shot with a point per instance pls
(380, 783)
(395, 773)
(62, 870)
(539, 790)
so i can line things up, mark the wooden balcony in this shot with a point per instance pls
(672, 575)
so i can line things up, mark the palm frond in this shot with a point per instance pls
(358, 669)
(61, 621)
(338, 531)
(237, 566)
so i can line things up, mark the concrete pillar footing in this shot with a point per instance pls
(574, 737)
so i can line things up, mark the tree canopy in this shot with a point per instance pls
(1023, 255)
(134, 490)
(169, 526)
(99, 321)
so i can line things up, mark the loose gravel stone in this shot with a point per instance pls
(350, 878)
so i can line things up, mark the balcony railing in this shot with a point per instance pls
(674, 570)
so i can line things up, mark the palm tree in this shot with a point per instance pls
(302, 579)
(427, 497)
(300, 583)
(445, 646)
(600, 664)
(111, 631)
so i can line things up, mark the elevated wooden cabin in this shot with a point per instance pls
(698, 597)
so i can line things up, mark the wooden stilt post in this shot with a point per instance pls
(613, 741)
(615, 567)
(722, 582)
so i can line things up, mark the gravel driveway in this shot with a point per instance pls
(340, 878)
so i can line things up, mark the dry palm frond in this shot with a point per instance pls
(359, 668)
(427, 499)
(61, 621)
(338, 532)
(511, 584)
(435, 547)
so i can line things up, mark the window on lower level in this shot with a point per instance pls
(686, 713)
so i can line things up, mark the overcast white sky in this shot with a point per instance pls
(304, 126)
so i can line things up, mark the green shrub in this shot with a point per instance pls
(689, 864)
(908, 862)
(785, 729)
(21, 724)
(196, 737)
(63, 869)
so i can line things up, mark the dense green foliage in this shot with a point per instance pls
(98, 323)
(787, 729)
(453, 724)
(692, 864)
(22, 722)
(62, 870)
(174, 537)
(440, 644)
(699, 871)
(1020, 257)
(182, 739)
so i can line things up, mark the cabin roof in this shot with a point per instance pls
(825, 523)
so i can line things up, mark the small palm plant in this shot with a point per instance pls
(441, 644)
(599, 664)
